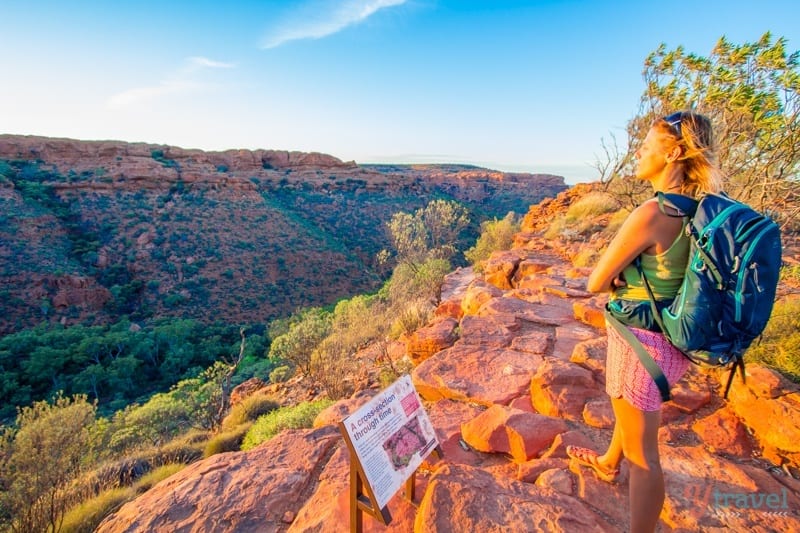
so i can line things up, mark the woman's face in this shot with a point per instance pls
(652, 155)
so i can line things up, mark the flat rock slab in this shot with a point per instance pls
(461, 498)
(479, 374)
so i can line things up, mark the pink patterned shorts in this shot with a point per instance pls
(627, 378)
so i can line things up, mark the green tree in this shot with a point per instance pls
(430, 233)
(306, 330)
(40, 459)
(751, 93)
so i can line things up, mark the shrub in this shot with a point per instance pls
(411, 317)
(495, 235)
(586, 257)
(86, 516)
(227, 441)
(333, 366)
(281, 373)
(294, 417)
(306, 330)
(615, 221)
(40, 460)
(779, 346)
(409, 283)
(152, 478)
(248, 410)
(591, 205)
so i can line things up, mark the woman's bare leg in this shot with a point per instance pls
(639, 438)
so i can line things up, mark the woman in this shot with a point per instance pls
(675, 157)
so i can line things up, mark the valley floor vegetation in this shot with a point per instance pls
(102, 395)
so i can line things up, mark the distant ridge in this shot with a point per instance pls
(96, 230)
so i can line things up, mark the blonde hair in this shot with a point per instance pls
(701, 173)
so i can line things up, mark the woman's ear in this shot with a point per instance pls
(674, 154)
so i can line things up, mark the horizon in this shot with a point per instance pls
(509, 85)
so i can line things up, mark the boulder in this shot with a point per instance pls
(233, 492)
(521, 434)
(460, 498)
(561, 389)
(431, 339)
(504, 374)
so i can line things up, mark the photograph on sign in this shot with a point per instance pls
(392, 435)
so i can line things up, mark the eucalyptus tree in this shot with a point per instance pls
(751, 93)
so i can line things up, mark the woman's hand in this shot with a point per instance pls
(618, 282)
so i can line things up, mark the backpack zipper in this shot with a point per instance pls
(742, 273)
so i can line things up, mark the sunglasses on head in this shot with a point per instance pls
(674, 121)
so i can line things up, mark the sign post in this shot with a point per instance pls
(388, 438)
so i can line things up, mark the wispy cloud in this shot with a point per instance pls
(319, 18)
(180, 82)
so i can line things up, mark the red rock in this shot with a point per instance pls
(499, 268)
(722, 432)
(569, 337)
(697, 485)
(333, 414)
(561, 389)
(505, 374)
(548, 314)
(431, 339)
(558, 450)
(590, 312)
(246, 389)
(591, 354)
(485, 331)
(465, 499)
(598, 413)
(478, 293)
(504, 430)
(327, 510)
(449, 309)
(523, 403)
(446, 417)
(763, 382)
(529, 471)
(539, 282)
(232, 492)
(558, 480)
(529, 268)
(760, 412)
(689, 400)
(536, 343)
(455, 284)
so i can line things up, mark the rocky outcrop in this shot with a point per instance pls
(524, 380)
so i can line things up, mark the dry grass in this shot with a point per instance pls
(779, 347)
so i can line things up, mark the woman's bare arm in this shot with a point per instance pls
(638, 233)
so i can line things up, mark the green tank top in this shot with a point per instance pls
(664, 272)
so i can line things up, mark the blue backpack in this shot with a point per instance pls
(728, 289)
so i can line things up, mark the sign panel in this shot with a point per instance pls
(392, 435)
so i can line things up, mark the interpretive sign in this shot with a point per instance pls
(389, 437)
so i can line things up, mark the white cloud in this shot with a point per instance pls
(200, 62)
(321, 18)
(178, 83)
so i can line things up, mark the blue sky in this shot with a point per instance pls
(520, 86)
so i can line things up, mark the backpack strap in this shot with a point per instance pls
(738, 359)
(644, 356)
(685, 205)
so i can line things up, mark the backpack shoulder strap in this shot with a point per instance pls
(644, 356)
(683, 204)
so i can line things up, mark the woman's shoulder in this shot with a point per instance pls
(647, 210)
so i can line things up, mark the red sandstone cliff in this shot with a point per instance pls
(93, 230)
